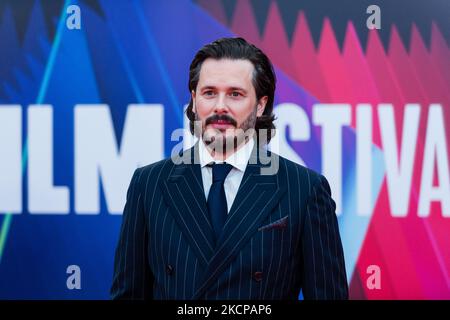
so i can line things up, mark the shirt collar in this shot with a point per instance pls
(238, 160)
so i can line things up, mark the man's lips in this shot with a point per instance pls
(221, 124)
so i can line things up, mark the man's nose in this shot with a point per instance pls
(221, 105)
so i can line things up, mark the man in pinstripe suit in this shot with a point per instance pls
(227, 219)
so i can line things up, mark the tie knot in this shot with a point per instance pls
(220, 171)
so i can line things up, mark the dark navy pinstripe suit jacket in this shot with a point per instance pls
(281, 236)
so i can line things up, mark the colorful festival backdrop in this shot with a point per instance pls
(81, 107)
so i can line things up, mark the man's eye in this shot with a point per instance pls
(208, 93)
(235, 94)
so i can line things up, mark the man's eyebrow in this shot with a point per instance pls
(210, 87)
(207, 87)
(238, 89)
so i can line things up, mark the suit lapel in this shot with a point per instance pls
(184, 193)
(257, 196)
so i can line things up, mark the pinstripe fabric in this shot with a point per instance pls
(281, 236)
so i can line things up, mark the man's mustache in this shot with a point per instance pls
(222, 117)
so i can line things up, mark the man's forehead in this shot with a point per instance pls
(237, 71)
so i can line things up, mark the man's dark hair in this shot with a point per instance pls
(264, 79)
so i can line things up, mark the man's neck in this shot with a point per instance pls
(222, 156)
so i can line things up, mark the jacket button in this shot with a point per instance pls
(169, 269)
(257, 276)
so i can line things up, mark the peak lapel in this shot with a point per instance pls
(184, 193)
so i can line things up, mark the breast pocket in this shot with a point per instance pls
(279, 224)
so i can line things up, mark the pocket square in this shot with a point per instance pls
(279, 224)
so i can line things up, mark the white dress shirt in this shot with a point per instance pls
(238, 160)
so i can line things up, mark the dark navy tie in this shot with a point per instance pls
(217, 201)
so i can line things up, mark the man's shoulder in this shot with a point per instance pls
(157, 167)
(163, 168)
(299, 172)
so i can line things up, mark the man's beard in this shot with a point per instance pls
(218, 141)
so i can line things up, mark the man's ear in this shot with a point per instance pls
(193, 100)
(261, 106)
